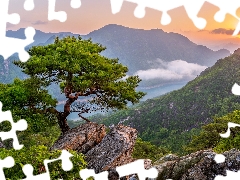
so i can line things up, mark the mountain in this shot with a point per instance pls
(139, 49)
(158, 57)
(229, 46)
(171, 120)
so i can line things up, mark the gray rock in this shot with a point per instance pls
(197, 166)
(114, 150)
(81, 138)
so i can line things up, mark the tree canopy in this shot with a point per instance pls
(28, 100)
(80, 70)
(209, 136)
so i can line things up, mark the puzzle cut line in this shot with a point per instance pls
(192, 9)
(21, 125)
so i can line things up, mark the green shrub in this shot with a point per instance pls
(35, 156)
(146, 150)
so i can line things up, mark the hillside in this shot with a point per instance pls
(170, 120)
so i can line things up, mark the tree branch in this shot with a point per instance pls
(51, 110)
(84, 118)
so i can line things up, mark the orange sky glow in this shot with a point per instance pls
(94, 14)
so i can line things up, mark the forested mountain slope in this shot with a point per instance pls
(171, 119)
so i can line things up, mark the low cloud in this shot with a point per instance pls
(39, 22)
(172, 71)
(222, 31)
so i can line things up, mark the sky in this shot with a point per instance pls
(94, 14)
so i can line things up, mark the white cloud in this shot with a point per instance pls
(174, 70)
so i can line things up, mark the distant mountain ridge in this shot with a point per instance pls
(141, 50)
(171, 119)
(134, 47)
(138, 48)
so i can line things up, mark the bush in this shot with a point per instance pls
(35, 156)
(146, 150)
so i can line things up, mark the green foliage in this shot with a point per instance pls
(209, 136)
(35, 156)
(26, 94)
(46, 137)
(146, 150)
(77, 64)
(74, 64)
(28, 100)
(168, 120)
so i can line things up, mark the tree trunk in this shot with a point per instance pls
(62, 121)
(62, 117)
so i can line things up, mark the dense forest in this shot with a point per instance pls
(173, 119)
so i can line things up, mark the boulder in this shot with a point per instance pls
(103, 152)
(198, 165)
(114, 150)
(81, 138)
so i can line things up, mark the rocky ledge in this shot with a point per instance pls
(103, 151)
(114, 150)
(197, 166)
(81, 138)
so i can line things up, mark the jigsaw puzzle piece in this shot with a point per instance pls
(53, 15)
(21, 125)
(219, 158)
(86, 173)
(137, 167)
(236, 89)
(76, 4)
(230, 125)
(66, 166)
(192, 8)
(230, 175)
(8, 162)
(5, 17)
(164, 7)
(227, 7)
(29, 5)
(116, 6)
(161, 5)
(9, 46)
(28, 171)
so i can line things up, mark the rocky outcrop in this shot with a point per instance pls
(81, 138)
(114, 150)
(197, 166)
(103, 152)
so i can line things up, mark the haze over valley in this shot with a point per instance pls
(164, 61)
